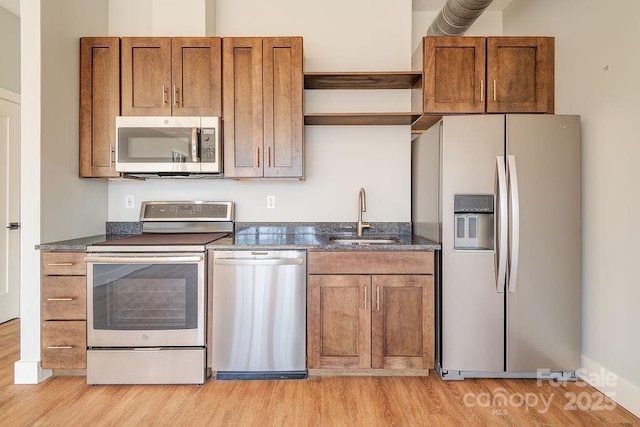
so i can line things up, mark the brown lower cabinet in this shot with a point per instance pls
(370, 311)
(64, 313)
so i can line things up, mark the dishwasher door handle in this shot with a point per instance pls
(262, 261)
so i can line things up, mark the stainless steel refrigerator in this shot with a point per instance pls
(502, 195)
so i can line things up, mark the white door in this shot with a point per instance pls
(10, 210)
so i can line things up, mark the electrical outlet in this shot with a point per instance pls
(130, 201)
(271, 202)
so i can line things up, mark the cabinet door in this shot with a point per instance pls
(454, 74)
(99, 105)
(520, 74)
(146, 76)
(283, 112)
(63, 264)
(196, 76)
(339, 321)
(64, 298)
(64, 344)
(402, 325)
(242, 106)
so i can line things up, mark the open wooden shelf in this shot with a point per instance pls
(424, 122)
(363, 119)
(363, 80)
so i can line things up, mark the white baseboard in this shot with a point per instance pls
(621, 391)
(29, 372)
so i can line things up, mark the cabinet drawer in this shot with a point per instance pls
(370, 262)
(64, 344)
(63, 263)
(64, 298)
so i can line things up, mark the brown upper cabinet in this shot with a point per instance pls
(263, 107)
(488, 74)
(178, 76)
(99, 105)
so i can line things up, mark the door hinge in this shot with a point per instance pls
(14, 225)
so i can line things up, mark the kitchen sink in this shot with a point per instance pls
(351, 240)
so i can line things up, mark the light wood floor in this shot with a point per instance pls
(344, 401)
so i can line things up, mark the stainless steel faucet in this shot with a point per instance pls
(362, 207)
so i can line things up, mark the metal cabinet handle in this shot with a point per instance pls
(60, 347)
(175, 96)
(61, 299)
(377, 298)
(481, 90)
(365, 298)
(164, 95)
(258, 157)
(112, 155)
(269, 156)
(60, 264)
(494, 90)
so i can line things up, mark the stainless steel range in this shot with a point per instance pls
(147, 296)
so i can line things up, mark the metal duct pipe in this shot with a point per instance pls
(456, 16)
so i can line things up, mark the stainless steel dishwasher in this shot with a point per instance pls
(259, 314)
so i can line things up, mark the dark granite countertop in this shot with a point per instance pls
(320, 242)
(72, 245)
(251, 236)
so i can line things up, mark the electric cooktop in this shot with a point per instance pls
(178, 224)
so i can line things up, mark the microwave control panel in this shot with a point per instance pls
(208, 145)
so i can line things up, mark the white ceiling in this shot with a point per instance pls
(12, 6)
(436, 5)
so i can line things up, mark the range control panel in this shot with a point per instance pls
(186, 211)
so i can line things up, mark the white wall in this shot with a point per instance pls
(597, 77)
(357, 35)
(157, 18)
(9, 51)
(71, 207)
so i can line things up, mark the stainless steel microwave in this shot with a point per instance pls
(168, 146)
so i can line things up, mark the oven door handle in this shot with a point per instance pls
(143, 260)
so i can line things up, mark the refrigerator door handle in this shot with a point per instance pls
(514, 207)
(501, 251)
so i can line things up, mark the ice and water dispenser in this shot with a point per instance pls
(474, 222)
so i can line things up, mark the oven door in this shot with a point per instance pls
(146, 300)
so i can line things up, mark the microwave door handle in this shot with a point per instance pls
(194, 145)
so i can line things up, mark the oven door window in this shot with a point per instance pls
(145, 296)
